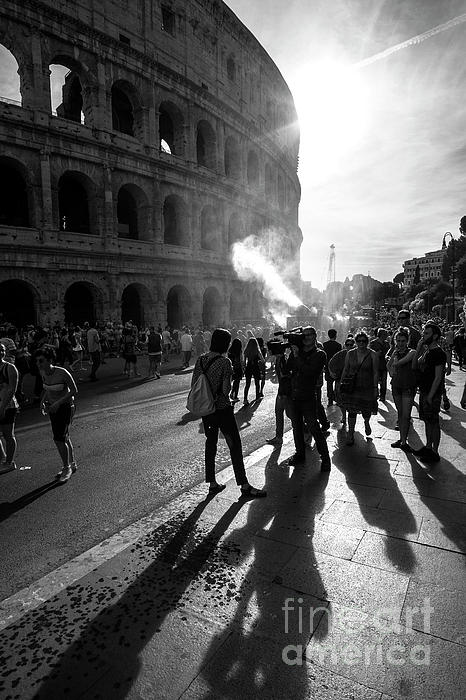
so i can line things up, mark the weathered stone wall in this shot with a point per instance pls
(189, 72)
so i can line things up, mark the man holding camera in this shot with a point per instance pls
(305, 365)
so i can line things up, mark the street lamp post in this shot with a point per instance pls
(444, 245)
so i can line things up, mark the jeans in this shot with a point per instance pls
(224, 420)
(281, 407)
(95, 357)
(330, 389)
(301, 411)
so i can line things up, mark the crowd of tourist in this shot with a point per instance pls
(415, 353)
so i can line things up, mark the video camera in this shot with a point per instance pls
(293, 337)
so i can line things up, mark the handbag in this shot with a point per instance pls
(348, 383)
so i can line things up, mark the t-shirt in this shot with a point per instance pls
(93, 340)
(154, 343)
(432, 359)
(186, 342)
(331, 347)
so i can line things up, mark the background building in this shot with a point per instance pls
(430, 267)
(176, 136)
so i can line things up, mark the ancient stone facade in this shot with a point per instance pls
(176, 136)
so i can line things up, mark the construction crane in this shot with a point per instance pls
(331, 265)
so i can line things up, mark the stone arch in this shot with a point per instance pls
(136, 302)
(70, 83)
(19, 302)
(175, 221)
(179, 306)
(232, 158)
(16, 203)
(253, 169)
(212, 307)
(235, 229)
(83, 301)
(171, 129)
(126, 107)
(10, 77)
(76, 202)
(206, 145)
(211, 238)
(132, 212)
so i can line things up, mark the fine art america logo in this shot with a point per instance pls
(399, 641)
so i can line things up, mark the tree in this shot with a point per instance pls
(399, 278)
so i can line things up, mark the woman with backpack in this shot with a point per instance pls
(218, 371)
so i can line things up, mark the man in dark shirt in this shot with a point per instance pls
(404, 318)
(381, 346)
(331, 347)
(305, 365)
(430, 360)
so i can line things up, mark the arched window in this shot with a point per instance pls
(253, 169)
(10, 88)
(14, 207)
(127, 215)
(171, 133)
(231, 68)
(122, 112)
(210, 234)
(232, 158)
(206, 145)
(175, 221)
(73, 205)
(66, 91)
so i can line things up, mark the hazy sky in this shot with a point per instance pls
(383, 147)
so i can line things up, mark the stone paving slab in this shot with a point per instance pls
(426, 506)
(402, 524)
(244, 667)
(380, 655)
(445, 535)
(421, 562)
(447, 615)
(340, 580)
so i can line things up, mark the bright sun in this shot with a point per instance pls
(333, 110)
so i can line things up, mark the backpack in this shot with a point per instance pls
(201, 401)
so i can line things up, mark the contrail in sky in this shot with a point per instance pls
(410, 42)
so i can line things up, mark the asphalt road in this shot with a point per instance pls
(136, 447)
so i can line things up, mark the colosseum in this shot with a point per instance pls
(174, 136)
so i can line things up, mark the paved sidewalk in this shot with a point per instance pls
(339, 586)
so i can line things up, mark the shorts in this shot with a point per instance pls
(10, 416)
(406, 393)
(61, 421)
(429, 413)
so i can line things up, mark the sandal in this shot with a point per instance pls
(216, 489)
(252, 492)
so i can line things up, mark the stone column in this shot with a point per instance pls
(220, 147)
(47, 210)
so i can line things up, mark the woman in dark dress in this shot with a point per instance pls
(361, 365)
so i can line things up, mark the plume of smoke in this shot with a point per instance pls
(410, 42)
(251, 263)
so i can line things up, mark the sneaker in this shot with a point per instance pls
(296, 460)
(65, 474)
(274, 441)
(7, 467)
(446, 405)
(406, 447)
(74, 467)
(396, 444)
